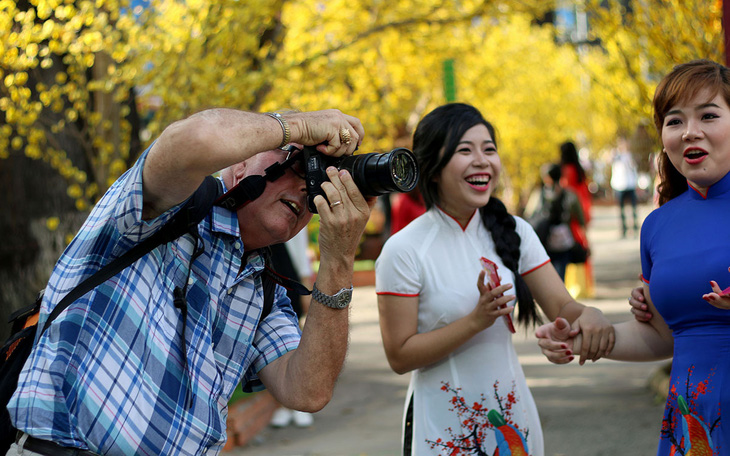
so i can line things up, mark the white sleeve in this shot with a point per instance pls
(532, 252)
(397, 269)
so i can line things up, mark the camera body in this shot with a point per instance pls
(374, 173)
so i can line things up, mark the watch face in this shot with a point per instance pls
(343, 300)
(340, 300)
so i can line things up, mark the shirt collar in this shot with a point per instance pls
(224, 220)
(721, 187)
(451, 221)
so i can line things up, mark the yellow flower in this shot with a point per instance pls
(74, 191)
(52, 223)
(16, 143)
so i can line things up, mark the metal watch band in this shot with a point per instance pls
(339, 300)
(284, 127)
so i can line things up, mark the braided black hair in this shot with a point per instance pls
(434, 143)
(501, 224)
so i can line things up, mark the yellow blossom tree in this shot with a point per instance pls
(67, 127)
(641, 42)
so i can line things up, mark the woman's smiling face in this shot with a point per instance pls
(467, 181)
(696, 138)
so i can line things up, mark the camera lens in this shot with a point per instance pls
(404, 170)
(377, 174)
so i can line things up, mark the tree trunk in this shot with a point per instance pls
(30, 192)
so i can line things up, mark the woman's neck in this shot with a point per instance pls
(462, 219)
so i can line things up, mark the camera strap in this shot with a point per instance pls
(252, 187)
(242, 193)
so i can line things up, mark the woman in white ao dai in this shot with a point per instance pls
(439, 318)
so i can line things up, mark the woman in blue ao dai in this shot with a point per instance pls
(685, 255)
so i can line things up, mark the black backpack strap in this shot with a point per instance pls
(268, 285)
(269, 292)
(270, 278)
(190, 214)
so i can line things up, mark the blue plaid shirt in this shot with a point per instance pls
(109, 374)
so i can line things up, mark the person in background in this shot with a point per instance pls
(440, 317)
(684, 312)
(406, 207)
(122, 371)
(558, 208)
(573, 177)
(624, 178)
(579, 276)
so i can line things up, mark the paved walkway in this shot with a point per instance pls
(598, 409)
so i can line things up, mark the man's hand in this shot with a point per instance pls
(557, 340)
(333, 132)
(343, 219)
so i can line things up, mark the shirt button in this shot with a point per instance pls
(191, 281)
(230, 290)
(237, 245)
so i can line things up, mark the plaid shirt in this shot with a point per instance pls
(109, 374)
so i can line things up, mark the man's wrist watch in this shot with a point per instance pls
(339, 300)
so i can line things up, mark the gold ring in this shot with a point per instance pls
(336, 203)
(345, 136)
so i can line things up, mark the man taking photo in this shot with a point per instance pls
(124, 370)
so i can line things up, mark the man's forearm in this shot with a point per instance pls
(304, 379)
(202, 144)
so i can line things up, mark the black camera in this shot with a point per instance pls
(374, 173)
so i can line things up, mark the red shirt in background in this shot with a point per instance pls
(405, 208)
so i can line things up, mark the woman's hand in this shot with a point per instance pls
(638, 304)
(492, 303)
(718, 298)
(591, 335)
(598, 334)
(557, 340)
